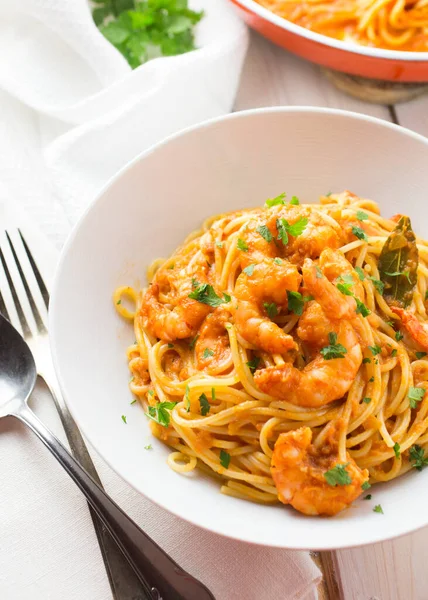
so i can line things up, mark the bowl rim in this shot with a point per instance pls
(264, 13)
(93, 204)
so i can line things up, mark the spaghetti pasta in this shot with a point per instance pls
(269, 354)
(390, 24)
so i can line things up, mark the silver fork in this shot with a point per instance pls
(123, 581)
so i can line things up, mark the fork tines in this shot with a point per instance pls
(24, 297)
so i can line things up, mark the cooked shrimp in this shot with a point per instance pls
(335, 267)
(171, 324)
(417, 330)
(322, 380)
(212, 348)
(268, 283)
(298, 470)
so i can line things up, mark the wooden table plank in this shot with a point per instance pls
(393, 570)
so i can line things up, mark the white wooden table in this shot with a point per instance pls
(396, 570)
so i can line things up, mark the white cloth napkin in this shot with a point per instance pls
(72, 114)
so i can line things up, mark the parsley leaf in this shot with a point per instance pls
(345, 288)
(253, 363)
(207, 353)
(265, 232)
(271, 309)
(142, 31)
(133, 402)
(298, 227)
(397, 450)
(249, 270)
(360, 273)
(362, 308)
(148, 447)
(219, 244)
(334, 350)
(296, 302)
(328, 194)
(420, 355)
(213, 394)
(224, 458)
(378, 509)
(379, 285)
(124, 419)
(119, 301)
(275, 201)
(368, 497)
(187, 398)
(367, 400)
(362, 216)
(318, 272)
(366, 360)
(371, 379)
(415, 395)
(205, 405)
(294, 200)
(277, 261)
(359, 233)
(375, 350)
(416, 454)
(394, 353)
(160, 413)
(366, 485)
(205, 294)
(193, 342)
(170, 346)
(282, 227)
(242, 245)
(338, 475)
(426, 295)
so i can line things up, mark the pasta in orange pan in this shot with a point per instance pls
(282, 349)
(390, 24)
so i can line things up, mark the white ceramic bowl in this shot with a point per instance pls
(145, 212)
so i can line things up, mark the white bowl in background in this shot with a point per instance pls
(145, 212)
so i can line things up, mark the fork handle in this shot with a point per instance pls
(150, 563)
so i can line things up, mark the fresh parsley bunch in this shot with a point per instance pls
(146, 29)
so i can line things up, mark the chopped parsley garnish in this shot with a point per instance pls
(205, 405)
(415, 395)
(253, 363)
(213, 394)
(379, 285)
(224, 459)
(328, 194)
(371, 379)
(275, 201)
(187, 398)
(398, 336)
(318, 272)
(205, 294)
(133, 402)
(338, 475)
(416, 455)
(207, 353)
(226, 297)
(119, 301)
(124, 419)
(219, 244)
(148, 447)
(366, 485)
(367, 400)
(160, 413)
(242, 245)
(378, 509)
(171, 266)
(151, 393)
(334, 350)
(397, 451)
(394, 353)
(282, 227)
(193, 342)
(265, 232)
(398, 273)
(277, 261)
(195, 283)
(359, 233)
(345, 288)
(170, 345)
(368, 497)
(420, 355)
(362, 216)
(362, 309)
(375, 350)
(426, 295)
(249, 270)
(360, 273)
(294, 200)
(366, 361)
(296, 302)
(271, 309)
